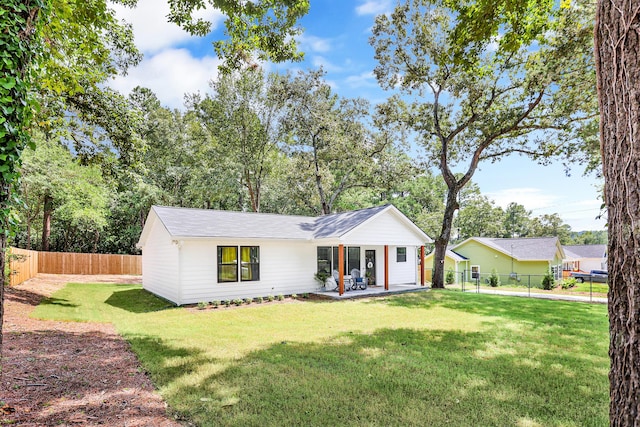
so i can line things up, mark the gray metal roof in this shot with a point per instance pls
(532, 248)
(587, 251)
(188, 222)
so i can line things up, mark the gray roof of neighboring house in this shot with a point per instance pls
(531, 248)
(188, 222)
(585, 251)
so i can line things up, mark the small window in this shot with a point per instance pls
(227, 263)
(401, 254)
(324, 259)
(249, 263)
(475, 271)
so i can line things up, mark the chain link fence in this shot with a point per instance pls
(473, 281)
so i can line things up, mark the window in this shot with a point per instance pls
(324, 259)
(353, 260)
(328, 259)
(401, 254)
(475, 271)
(227, 264)
(250, 263)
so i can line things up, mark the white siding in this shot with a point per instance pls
(286, 267)
(384, 229)
(403, 272)
(160, 263)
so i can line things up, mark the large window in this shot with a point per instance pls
(401, 254)
(250, 263)
(228, 264)
(328, 259)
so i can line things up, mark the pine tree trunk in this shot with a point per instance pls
(617, 41)
(46, 222)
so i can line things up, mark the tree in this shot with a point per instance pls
(551, 225)
(69, 199)
(618, 69)
(535, 102)
(517, 221)
(242, 116)
(327, 137)
(479, 217)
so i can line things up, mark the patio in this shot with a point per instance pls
(373, 291)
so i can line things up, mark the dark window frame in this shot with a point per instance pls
(254, 266)
(222, 265)
(401, 254)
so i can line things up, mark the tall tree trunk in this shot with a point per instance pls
(617, 49)
(437, 280)
(46, 222)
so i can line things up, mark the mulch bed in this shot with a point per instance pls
(69, 373)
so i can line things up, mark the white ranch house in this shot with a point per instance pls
(194, 255)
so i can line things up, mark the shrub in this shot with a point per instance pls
(248, 300)
(294, 296)
(270, 298)
(494, 279)
(280, 297)
(237, 301)
(227, 303)
(450, 277)
(202, 305)
(569, 283)
(215, 304)
(259, 300)
(305, 295)
(548, 282)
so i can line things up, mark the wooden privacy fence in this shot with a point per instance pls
(25, 264)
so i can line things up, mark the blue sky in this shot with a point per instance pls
(336, 34)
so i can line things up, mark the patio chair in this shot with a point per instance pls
(358, 280)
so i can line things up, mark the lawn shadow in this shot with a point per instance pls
(60, 302)
(137, 300)
(393, 377)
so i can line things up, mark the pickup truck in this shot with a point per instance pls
(593, 276)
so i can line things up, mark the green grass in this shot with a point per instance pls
(436, 358)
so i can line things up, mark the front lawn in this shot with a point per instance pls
(436, 358)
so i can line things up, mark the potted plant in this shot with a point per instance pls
(371, 279)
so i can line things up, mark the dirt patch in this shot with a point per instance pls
(69, 373)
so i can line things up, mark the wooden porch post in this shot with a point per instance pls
(341, 269)
(421, 265)
(386, 267)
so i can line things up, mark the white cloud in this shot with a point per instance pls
(170, 74)
(366, 79)
(309, 43)
(530, 198)
(151, 30)
(374, 7)
(321, 61)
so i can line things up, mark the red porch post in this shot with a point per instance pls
(386, 267)
(421, 265)
(341, 269)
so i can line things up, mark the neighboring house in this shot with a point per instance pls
(585, 257)
(194, 255)
(452, 262)
(517, 257)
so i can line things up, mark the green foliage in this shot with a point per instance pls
(259, 300)
(548, 281)
(202, 305)
(450, 278)
(20, 27)
(270, 298)
(569, 282)
(248, 301)
(265, 28)
(494, 279)
(215, 303)
(280, 297)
